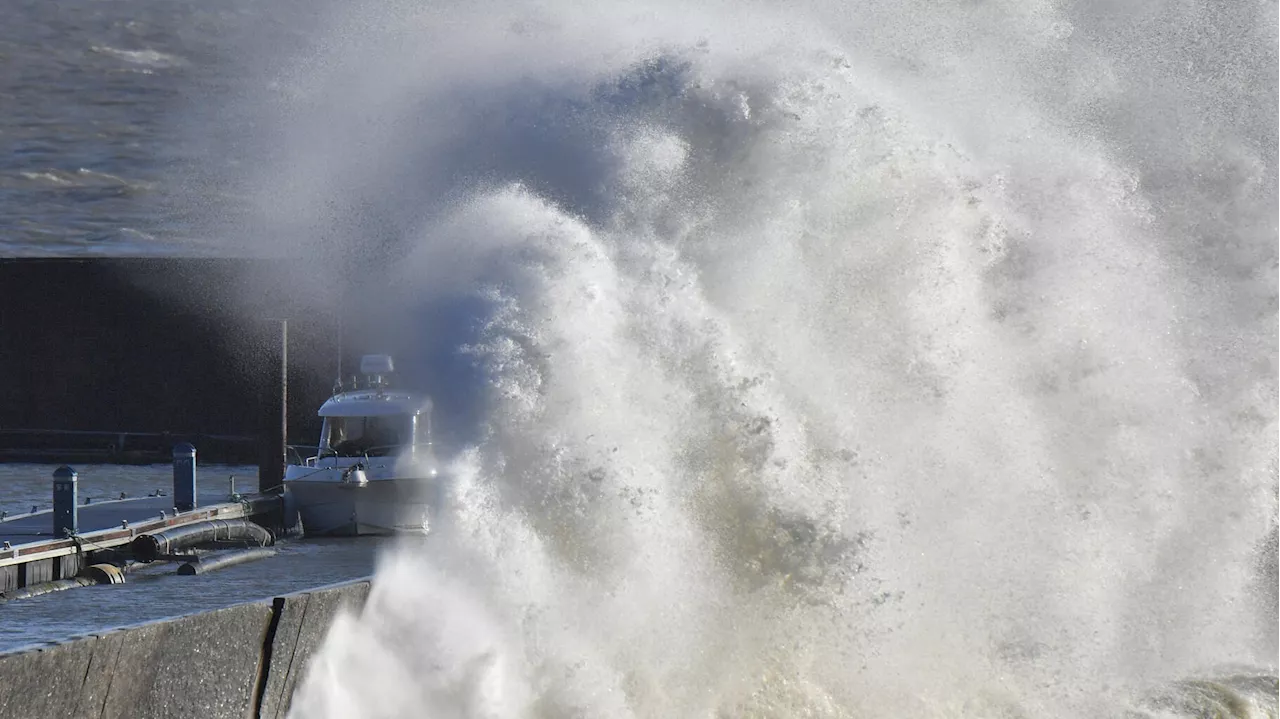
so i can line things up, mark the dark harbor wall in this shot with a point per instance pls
(165, 348)
(242, 661)
(187, 350)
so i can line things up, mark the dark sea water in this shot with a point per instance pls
(158, 592)
(113, 119)
(833, 359)
(28, 486)
(107, 110)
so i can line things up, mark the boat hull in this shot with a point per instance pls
(348, 509)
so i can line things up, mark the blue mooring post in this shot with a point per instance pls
(66, 517)
(184, 477)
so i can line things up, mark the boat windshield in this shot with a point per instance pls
(358, 436)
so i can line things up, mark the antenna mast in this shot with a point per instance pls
(341, 293)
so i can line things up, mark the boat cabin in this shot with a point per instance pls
(373, 470)
(360, 424)
(372, 420)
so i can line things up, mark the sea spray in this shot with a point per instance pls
(898, 360)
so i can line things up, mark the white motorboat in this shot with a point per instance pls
(374, 470)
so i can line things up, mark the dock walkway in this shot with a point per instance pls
(31, 554)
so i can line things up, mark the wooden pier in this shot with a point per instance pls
(31, 554)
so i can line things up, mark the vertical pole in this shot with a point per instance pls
(184, 477)
(275, 427)
(284, 393)
(66, 515)
(284, 396)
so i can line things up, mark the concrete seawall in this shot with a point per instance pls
(241, 661)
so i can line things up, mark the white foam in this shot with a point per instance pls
(839, 361)
(146, 58)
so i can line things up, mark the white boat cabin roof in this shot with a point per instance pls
(375, 403)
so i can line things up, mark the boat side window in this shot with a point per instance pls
(332, 433)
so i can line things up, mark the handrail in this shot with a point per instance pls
(114, 433)
(381, 450)
(293, 453)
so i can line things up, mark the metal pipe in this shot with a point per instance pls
(36, 590)
(104, 573)
(147, 547)
(221, 560)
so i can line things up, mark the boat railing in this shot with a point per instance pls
(298, 453)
